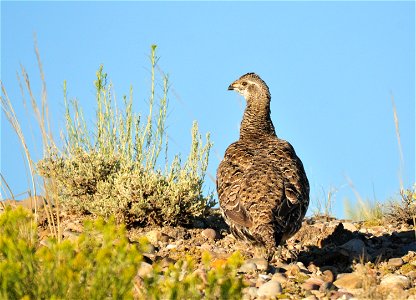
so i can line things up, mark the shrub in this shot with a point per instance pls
(182, 281)
(404, 211)
(115, 169)
(101, 264)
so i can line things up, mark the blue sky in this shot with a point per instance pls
(331, 68)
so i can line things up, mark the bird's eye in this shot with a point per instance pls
(244, 83)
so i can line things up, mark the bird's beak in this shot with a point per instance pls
(232, 86)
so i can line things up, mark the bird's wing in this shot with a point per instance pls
(230, 181)
(295, 182)
(234, 210)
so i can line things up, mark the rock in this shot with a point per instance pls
(270, 289)
(251, 292)
(395, 262)
(280, 265)
(328, 275)
(149, 249)
(70, 235)
(153, 236)
(164, 237)
(171, 246)
(310, 297)
(145, 269)
(301, 266)
(259, 282)
(312, 284)
(279, 277)
(349, 226)
(198, 223)
(261, 263)
(411, 275)
(409, 247)
(209, 233)
(265, 277)
(248, 267)
(166, 261)
(349, 281)
(292, 270)
(312, 268)
(338, 295)
(392, 280)
(327, 286)
(407, 236)
(355, 247)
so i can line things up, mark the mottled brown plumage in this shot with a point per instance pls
(261, 183)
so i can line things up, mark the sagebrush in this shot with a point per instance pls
(116, 168)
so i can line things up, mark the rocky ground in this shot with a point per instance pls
(326, 259)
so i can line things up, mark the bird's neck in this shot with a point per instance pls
(256, 120)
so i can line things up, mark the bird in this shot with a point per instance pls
(262, 186)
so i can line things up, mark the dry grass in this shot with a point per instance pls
(40, 109)
(372, 212)
(399, 143)
(324, 204)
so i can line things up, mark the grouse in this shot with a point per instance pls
(261, 183)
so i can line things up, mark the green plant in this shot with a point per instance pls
(17, 253)
(184, 281)
(100, 264)
(115, 169)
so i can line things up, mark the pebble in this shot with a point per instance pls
(395, 262)
(164, 237)
(260, 281)
(251, 292)
(395, 280)
(292, 270)
(301, 266)
(328, 276)
(248, 267)
(312, 284)
(171, 246)
(279, 277)
(71, 235)
(153, 236)
(166, 261)
(265, 277)
(349, 281)
(349, 226)
(340, 295)
(145, 269)
(312, 268)
(261, 263)
(270, 289)
(209, 233)
(354, 246)
(268, 280)
(310, 297)
(327, 286)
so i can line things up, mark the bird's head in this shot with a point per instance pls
(251, 86)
